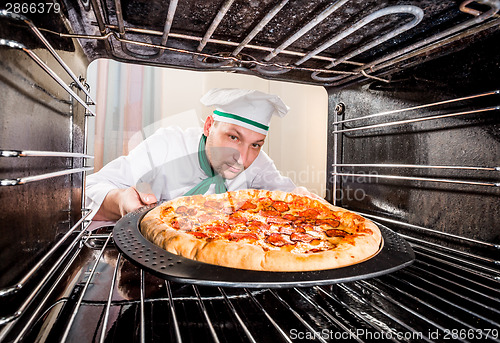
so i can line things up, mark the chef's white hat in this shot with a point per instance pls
(248, 108)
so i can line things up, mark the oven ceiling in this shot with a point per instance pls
(329, 43)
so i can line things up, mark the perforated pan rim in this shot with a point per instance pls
(395, 253)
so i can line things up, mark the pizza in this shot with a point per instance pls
(262, 230)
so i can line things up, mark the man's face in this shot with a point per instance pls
(231, 148)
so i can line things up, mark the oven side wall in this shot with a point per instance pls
(464, 140)
(37, 114)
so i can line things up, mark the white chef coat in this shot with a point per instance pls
(168, 162)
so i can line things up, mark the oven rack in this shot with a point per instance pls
(339, 129)
(27, 179)
(485, 266)
(478, 265)
(371, 174)
(43, 65)
(438, 288)
(23, 292)
(416, 178)
(47, 69)
(441, 233)
(420, 119)
(8, 292)
(494, 273)
(19, 285)
(79, 83)
(38, 34)
(481, 96)
(117, 43)
(419, 107)
(11, 320)
(38, 153)
(487, 176)
(481, 269)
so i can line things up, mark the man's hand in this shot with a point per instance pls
(119, 202)
(131, 199)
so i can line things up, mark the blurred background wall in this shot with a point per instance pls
(134, 101)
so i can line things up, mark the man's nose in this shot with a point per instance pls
(241, 156)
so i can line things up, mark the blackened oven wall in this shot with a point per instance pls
(464, 140)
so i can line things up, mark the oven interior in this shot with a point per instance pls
(413, 143)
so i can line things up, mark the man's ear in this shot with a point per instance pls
(209, 122)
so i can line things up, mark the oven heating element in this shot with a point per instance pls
(118, 43)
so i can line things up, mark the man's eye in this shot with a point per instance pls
(233, 138)
(256, 146)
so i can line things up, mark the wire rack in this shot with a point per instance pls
(84, 290)
(439, 297)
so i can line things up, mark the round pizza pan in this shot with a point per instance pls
(395, 253)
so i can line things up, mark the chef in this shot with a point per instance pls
(224, 155)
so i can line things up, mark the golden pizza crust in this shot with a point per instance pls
(246, 255)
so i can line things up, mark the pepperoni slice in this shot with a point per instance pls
(181, 224)
(300, 219)
(328, 221)
(217, 205)
(302, 237)
(277, 240)
(175, 224)
(191, 211)
(238, 216)
(206, 218)
(300, 202)
(280, 206)
(296, 220)
(233, 220)
(248, 205)
(277, 220)
(198, 234)
(287, 230)
(365, 230)
(289, 216)
(181, 210)
(215, 229)
(256, 225)
(265, 201)
(309, 213)
(302, 229)
(218, 228)
(269, 213)
(335, 233)
(236, 236)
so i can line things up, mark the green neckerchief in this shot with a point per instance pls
(213, 177)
